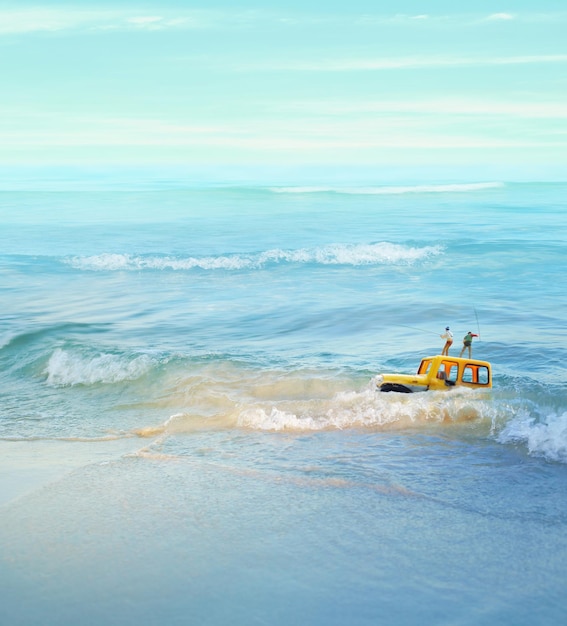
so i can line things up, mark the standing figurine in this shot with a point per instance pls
(467, 343)
(448, 336)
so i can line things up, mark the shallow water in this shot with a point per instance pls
(190, 430)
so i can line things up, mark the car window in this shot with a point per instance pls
(483, 375)
(451, 370)
(476, 374)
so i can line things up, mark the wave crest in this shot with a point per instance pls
(383, 253)
(544, 437)
(392, 189)
(367, 409)
(66, 368)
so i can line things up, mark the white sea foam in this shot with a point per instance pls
(393, 189)
(127, 262)
(545, 437)
(67, 368)
(382, 253)
(366, 409)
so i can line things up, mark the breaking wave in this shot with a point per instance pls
(545, 436)
(68, 368)
(222, 395)
(368, 409)
(302, 402)
(339, 410)
(383, 253)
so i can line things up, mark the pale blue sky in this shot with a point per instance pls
(380, 86)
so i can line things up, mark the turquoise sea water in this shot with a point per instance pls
(189, 429)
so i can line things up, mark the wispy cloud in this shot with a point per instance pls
(150, 22)
(442, 107)
(270, 135)
(401, 63)
(500, 16)
(44, 20)
(158, 17)
(451, 20)
(59, 18)
(54, 19)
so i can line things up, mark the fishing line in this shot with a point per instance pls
(415, 328)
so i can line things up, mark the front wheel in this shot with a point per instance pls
(395, 387)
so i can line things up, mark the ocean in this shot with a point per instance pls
(190, 431)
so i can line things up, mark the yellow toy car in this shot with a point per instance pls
(439, 373)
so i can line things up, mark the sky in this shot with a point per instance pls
(428, 89)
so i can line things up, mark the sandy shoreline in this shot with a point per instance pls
(26, 466)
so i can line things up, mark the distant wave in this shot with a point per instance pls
(383, 253)
(392, 190)
(14, 340)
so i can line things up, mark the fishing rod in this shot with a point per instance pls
(477, 324)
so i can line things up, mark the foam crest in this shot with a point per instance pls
(392, 190)
(366, 409)
(383, 253)
(544, 437)
(72, 368)
(6, 339)
(126, 262)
